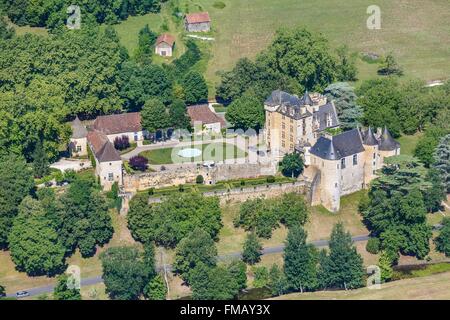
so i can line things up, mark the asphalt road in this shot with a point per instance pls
(98, 279)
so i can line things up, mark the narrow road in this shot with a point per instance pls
(98, 279)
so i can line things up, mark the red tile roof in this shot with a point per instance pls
(102, 148)
(167, 38)
(118, 123)
(202, 113)
(198, 17)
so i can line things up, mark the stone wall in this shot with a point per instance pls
(188, 175)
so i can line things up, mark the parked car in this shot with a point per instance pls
(22, 294)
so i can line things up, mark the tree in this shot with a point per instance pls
(126, 272)
(380, 100)
(252, 249)
(301, 55)
(300, 261)
(40, 161)
(277, 281)
(396, 211)
(213, 283)
(245, 113)
(442, 241)
(385, 264)
(434, 196)
(292, 210)
(168, 222)
(122, 143)
(63, 291)
(195, 88)
(86, 222)
(178, 115)
(156, 289)
(16, 182)
(238, 270)
(373, 245)
(442, 161)
(33, 242)
(342, 267)
(427, 144)
(146, 43)
(261, 277)
(390, 66)
(345, 100)
(154, 116)
(292, 165)
(346, 67)
(197, 247)
(2, 291)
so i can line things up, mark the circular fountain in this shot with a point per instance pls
(189, 153)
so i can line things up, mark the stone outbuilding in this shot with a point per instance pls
(165, 45)
(197, 22)
(202, 117)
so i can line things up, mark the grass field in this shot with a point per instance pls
(210, 152)
(424, 288)
(408, 143)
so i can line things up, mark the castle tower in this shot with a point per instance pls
(388, 147)
(371, 156)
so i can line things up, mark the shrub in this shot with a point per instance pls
(139, 163)
(219, 5)
(199, 179)
(122, 143)
(270, 179)
(373, 245)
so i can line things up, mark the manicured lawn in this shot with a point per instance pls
(425, 288)
(210, 152)
(408, 143)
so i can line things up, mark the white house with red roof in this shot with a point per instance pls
(164, 45)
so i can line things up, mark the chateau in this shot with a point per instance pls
(335, 164)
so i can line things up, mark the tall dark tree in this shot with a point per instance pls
(6, 31)
(156, 289)
(195, 88)
(178, 115)
(389, 66)
(40, 162)
(442, 241)
(16, 182)
(146, 45)
(300, 261)
(252, 249)
(343, 266)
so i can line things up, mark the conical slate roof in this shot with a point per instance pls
(342, 145)
(388, 143)
(78, 129)
(369, 138)
(306, 100)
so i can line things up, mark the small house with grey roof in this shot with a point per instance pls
(78, 140)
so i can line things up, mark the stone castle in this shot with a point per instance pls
(337, 164)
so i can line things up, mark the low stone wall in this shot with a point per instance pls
(245, 193)
(188, 175)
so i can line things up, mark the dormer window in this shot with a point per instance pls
(328, 119)
(343, 163)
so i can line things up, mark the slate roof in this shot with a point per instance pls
(202, 113)
(387, 143)
(342, 145)
(198, 17)
(102, 148)
(78, 129)
(166, 38)
(321, 116)
(279, 97)
(306, 99)
(118, 123)
(369, 138)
